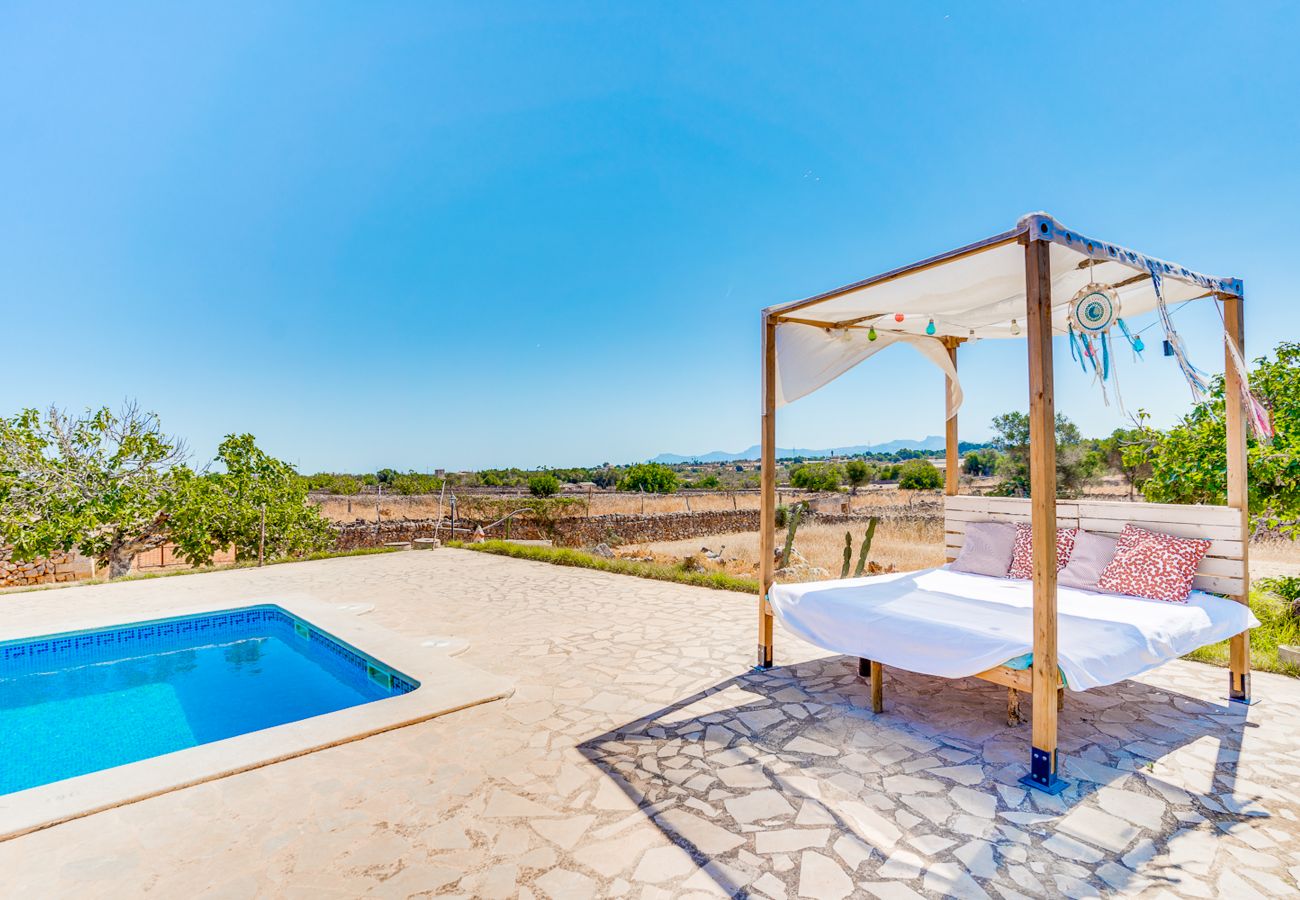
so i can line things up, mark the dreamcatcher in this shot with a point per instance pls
(1094, 311)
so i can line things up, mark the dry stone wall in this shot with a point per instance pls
(575, 532)
(56, 568)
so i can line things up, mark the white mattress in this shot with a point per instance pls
(954, 624)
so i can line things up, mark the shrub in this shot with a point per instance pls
(653, 478)
(980, 463)
(414, 483)
(544, 484)
(333, 482)
(816, 476)
(708, 482)
(859, 473)
(919, 475)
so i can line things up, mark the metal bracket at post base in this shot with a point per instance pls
(764, 659)
(1042, 772)
(1240, 692)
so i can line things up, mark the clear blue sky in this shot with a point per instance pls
(420, 235)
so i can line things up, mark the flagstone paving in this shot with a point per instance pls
(639, 757)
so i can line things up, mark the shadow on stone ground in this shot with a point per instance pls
(784, 783)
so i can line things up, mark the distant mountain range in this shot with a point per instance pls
(933, 443)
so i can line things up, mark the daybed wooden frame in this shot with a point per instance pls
(1225, 570)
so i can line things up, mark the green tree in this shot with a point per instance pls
(210, 511)
(415, 483)
(99, 482)
(1136, 468)
(980, 463)
(653, 478)
(707, 482)
(605, 477)
(543, 484)
(1076, 463)
(1189, 461)
(816, 476)
(858, 473)
(919, 475)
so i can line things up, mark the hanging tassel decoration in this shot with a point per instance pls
(1196, 379)
(1134, 342)
(1076, 352)
(1257, 414)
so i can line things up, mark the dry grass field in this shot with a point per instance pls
(903, 544)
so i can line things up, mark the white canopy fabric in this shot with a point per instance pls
(974, 292)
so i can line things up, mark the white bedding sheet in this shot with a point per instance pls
(954, 624)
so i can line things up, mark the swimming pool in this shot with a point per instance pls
(84, 701)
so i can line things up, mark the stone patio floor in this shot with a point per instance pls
(640, 758)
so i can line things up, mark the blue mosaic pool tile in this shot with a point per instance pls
(25, 656)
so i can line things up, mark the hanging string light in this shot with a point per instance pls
(929, 329)
(871, 333)
(1015, 327)
(898, 317)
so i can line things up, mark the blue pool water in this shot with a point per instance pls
(80, 702)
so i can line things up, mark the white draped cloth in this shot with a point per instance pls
(955, 624)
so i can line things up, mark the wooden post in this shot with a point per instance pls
(1238, 498)
(261, 537)
(1042, 491)
(952, 470)
(877, 687)
(767, 505)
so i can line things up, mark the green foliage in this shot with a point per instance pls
(782, 515)
(1279, 624)
(100, 482)
(653, 478)
(1076, 463)
(793, 515)
(543, 484)
(414, 483)
(562, 556)
(386, 476)
(816, 476)
(980, 463)
(865, 549)
(1287, 587)
(919, 475)
(859, 473)
(706, 482)
(215, 510)
(333, 483)
(1189, 461)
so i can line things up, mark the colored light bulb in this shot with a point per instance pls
(1138, 345)
(871, 333)
(1015, 327)
(929, 328)
(898, 317)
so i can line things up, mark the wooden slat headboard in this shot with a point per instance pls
(1222, 571)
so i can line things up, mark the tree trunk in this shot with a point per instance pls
(119, 560)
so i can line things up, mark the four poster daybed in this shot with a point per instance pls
(1025, 635)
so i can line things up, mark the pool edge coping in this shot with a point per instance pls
(446, 685)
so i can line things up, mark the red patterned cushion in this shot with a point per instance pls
(1153, 565)
(1022, 557)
